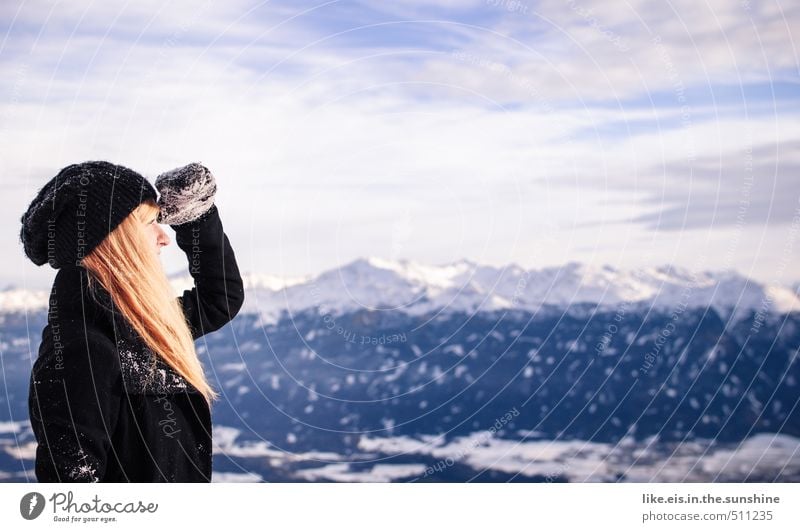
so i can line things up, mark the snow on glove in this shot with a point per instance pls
(185, 194)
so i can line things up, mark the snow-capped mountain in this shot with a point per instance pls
(14, 299)
(464, 286)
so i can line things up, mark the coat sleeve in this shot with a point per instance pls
(74, 401)
(218, 291)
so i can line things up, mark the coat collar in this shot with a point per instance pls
(72, 300)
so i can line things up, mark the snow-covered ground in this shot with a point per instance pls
(762, 457)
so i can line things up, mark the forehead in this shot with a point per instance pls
(149, 216)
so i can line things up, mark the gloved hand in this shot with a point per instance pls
(185, 194)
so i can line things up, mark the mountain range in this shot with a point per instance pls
(464, 286)
(397, 371)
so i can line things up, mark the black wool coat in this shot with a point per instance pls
(96, 415)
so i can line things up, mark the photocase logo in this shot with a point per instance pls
(31, 505)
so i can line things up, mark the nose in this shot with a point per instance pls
(163, 237)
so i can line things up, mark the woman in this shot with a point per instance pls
(117, 392)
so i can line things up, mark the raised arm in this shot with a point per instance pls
(218, 291)
(187, 204)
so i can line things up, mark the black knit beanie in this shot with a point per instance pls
(76, 209)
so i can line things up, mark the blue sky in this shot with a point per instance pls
(538, 133)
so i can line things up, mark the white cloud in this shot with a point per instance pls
(321, 146)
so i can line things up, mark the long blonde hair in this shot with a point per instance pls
(127, 267)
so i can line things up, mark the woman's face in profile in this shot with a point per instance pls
(156, 236)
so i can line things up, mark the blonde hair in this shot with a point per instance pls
(125, 264)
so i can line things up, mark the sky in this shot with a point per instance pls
(630, 134)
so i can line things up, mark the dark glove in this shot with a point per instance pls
(185, 194)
